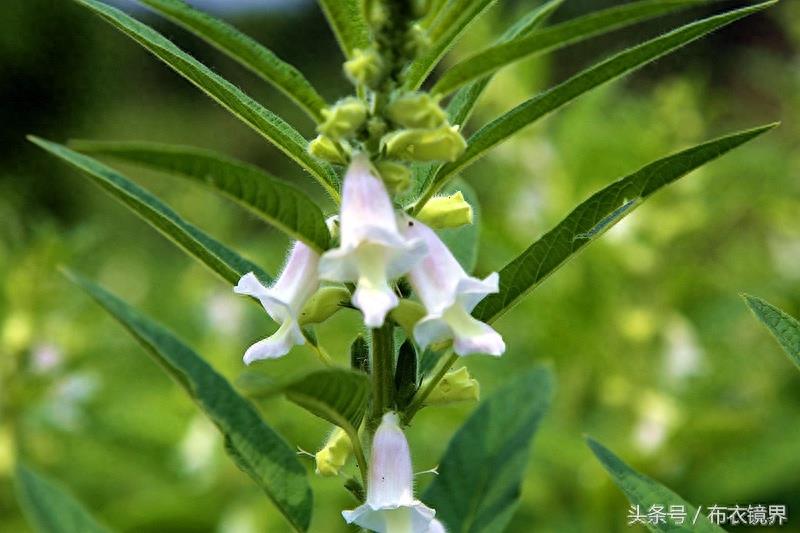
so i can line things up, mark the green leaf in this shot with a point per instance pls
(526, 113)
(596, 215)
(451, 22)
(246, 51)
(337, 395)
(554, 38)
(463, 102)
(463, 241)
(347, 22)
(269, 125)
(279, 203)
(784, 327)
(256, 448)
(481, 473)
(644, 492)
(229, 265)
(49, 507)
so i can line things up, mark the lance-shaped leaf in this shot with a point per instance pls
(596, 215)
(347, 22)
(451, 22)
(784, 327)
(266, 123)
(50, 508)
(554, 38)
(229, 265)
(480, 475)
(529, 111)
(463, 102)
(645, 492)
(246, 51)
(337, 395)
(279, 203)
(255, 447)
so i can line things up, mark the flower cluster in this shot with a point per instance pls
(377, 245)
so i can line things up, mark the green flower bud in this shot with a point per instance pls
(416, 110)
(327, 149)
(396, 176)
(446, 212)
(444, 143)
(455, 386)
(405, 375)
(344, 118)
(366, 67)
(323, 305)
(334, 453)
(407, 314)
(359, 355)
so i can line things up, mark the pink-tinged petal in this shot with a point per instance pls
(390, 502)
(449, 295)
(372, 251)
(276, 345)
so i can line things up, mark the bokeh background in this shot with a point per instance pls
(654, 352)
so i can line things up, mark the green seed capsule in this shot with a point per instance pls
(405, 376)
(359, 355)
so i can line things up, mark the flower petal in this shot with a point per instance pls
(375, 302)
(276, 345)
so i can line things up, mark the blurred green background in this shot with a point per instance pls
(654, 351)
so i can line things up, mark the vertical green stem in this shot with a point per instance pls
(382, 374)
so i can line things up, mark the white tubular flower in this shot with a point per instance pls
(449, 296)
(283, 301)
(390, 506)
(372, 250)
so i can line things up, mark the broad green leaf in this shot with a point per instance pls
(50, 508)
(463, 241)
(269, 125)
(526, 113)
(279, 203)
(481, 473)
(337, 395)
(644, 492)
(347, 22)
(596, 215)
(256, 448)
(246, 51)
(554, 38)
(229, 265)
(451, 22)
(784, 327)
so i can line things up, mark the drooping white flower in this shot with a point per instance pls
(283, 301)
(372, 249)
(436, 527)
(390, 505)
(449, 296)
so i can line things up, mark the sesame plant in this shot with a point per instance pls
(394, 243)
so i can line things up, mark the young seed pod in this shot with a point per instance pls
(416, 110)
(407, 314)
(359, 355)
(323, 305)
(446, 212)
(396, 176)
(365, 68)
(444, 143)
(326, 148)
(405, 376)
(344, 118)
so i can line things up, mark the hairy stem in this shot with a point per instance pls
(382, 373)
